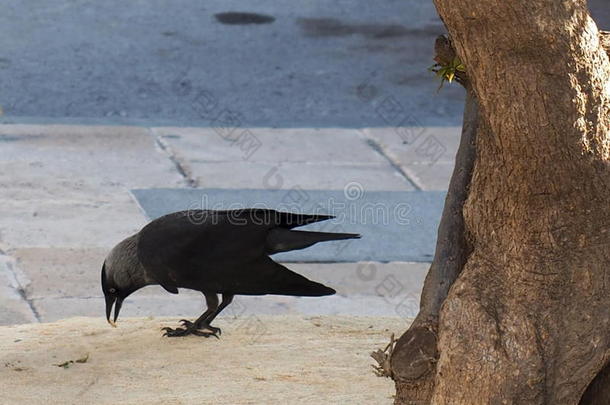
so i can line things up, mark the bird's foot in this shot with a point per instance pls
(188, 330)
(187, 323)
(203, 325)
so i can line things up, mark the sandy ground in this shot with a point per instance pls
(257, 360)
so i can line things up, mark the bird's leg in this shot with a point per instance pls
(193, 328)
(205, 323)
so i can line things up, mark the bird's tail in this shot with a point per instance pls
(279, 280)
(283, 240)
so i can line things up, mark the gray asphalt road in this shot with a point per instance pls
(152, 59)
(315, 63)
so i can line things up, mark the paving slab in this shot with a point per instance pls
(63, 185)
(430, 177)
(270, 145)
(95, 160)
(65, 282)
(326, 158)
(74, 272)
(14, 309)
(367, 278)
(247, 175)
(191, 305)
(416, 144)
(425, 155)
(47, 223)
(61, 272)
(272, 360)
(396, 226)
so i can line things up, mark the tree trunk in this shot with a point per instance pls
(527, 320)
(414, 360)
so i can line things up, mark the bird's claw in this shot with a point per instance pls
(171, 332)
(217, 331)
(198, 332)
(188, 324)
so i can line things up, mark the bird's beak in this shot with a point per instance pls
(110, 300)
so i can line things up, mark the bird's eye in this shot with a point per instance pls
(112, 291)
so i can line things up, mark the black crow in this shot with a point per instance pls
(215, 252)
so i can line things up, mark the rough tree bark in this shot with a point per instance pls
(516, 308)
(413, 362)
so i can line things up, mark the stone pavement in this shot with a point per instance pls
(66, 198)
(288, 360)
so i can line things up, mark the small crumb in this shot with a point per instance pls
(67, 364)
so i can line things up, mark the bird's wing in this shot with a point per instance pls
(178, 247)
(265, 276)
(196, 246)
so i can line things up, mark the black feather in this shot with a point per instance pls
(227, 251)
(283, 240)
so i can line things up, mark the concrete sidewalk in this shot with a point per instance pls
(66, 199)
(271, 360)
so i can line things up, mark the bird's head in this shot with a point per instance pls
(122, 274)
(113, 294)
